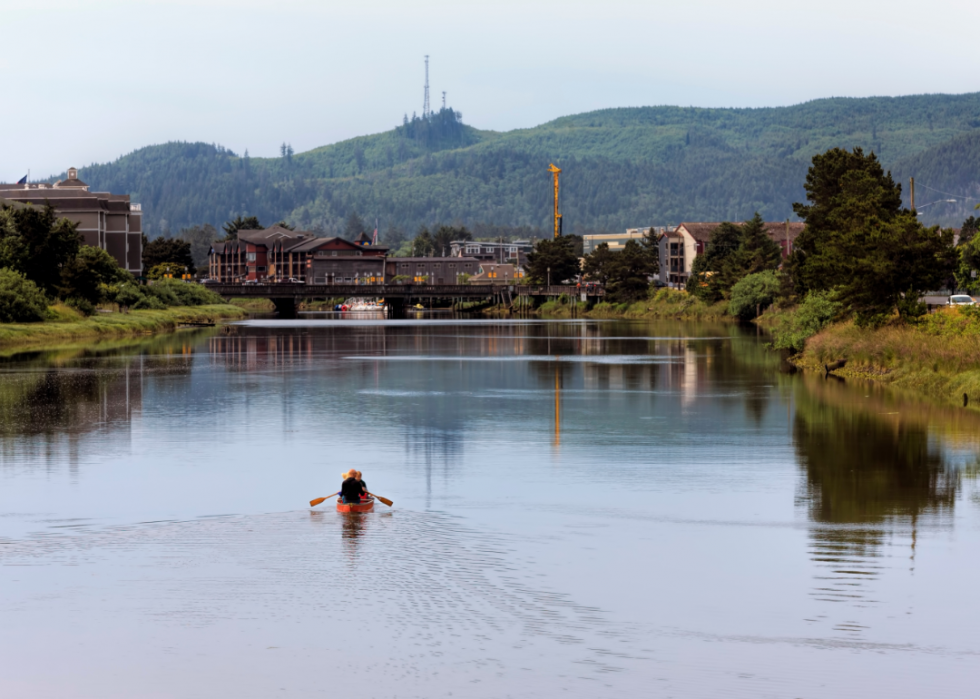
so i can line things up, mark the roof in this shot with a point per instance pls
(701, 231)
(72, 182)
(434, 259)
(363, 238)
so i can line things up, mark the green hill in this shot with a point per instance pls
(621, 168)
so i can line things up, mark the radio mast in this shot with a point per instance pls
(425, 104)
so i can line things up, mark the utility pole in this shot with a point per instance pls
(912, 192)
(443, 99)
(425, 103)
(555, 172)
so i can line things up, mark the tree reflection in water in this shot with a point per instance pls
(868, 479)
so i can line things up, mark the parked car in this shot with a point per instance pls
(961, 300)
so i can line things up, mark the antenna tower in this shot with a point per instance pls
(425, 104)
(443, 99)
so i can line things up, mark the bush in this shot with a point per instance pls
(83, 306)
(21, 301)
(794, 328)
(90, 274)
(188, 293)
(149, 303)
(753, 292)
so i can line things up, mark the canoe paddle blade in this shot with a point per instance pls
(314, 503)
(386, 501)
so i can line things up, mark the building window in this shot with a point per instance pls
(250, 257)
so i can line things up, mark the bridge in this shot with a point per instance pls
(285, 296)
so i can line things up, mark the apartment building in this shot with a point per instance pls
(679, 246)
(108, 221)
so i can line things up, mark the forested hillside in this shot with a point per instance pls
(621, 168)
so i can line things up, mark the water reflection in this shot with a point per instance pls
(871, 479)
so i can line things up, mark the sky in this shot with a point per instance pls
(90, 82)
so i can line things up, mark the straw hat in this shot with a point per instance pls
(350, 474)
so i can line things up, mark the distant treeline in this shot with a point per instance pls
(621, 168)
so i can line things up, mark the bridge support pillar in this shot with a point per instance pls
(285, 308)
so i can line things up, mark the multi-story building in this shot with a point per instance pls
(278, 254)
(108, 221)
(617, 241)
(679, 246)
(514, 252)
(431, 270)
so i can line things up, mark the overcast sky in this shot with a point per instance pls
(89, 81)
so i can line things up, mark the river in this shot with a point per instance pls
(581, 508)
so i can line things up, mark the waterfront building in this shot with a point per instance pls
(514, 252)
(431, 270)
(493, 273)
(617, 241)
(679, 246)
(108, 221)
(278, 254)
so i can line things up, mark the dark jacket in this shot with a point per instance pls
(351, 490)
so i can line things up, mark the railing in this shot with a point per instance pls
(287, 290)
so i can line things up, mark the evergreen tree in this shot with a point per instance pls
(629, 273)
(241, 223)
(860, 243)
(554, 254)
(423, 245)
(598, 264)
(175, 251)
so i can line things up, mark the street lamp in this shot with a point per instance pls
(549, 280)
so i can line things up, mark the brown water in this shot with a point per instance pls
(581, 509)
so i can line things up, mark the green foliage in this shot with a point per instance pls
(793, 328)
(629, 272)
(185, 293)
(598, 264)
(82, 305)
(752, 293)
(241, 223)
(87, 276)
(554, 260)
(174, 251)
(21, 301)
(860, 242)
(38, 244)
(621, 166)
(423, 245)
(733, 252)
(160, 271)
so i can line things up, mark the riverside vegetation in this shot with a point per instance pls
(850, 291)
(53, 287)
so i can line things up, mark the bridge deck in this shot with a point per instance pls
(393, 291)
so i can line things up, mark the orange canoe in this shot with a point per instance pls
(364, 506)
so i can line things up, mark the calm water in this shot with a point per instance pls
(581, 509)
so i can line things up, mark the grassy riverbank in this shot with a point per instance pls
(662, 304)
(69, 325)
(938, 355)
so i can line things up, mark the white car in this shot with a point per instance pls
(961, 300)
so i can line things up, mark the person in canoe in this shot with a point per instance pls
(351, 489)
(360, 480)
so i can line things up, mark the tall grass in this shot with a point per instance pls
(939, 354)
(67, 324)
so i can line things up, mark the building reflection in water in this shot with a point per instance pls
(871, 480)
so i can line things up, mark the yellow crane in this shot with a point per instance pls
(556, 171)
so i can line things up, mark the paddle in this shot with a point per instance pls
(386, 501)
(314, 503)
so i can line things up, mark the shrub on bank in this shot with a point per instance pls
(791, 329)
(752, 293)
(164, 293)
(21, 301)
